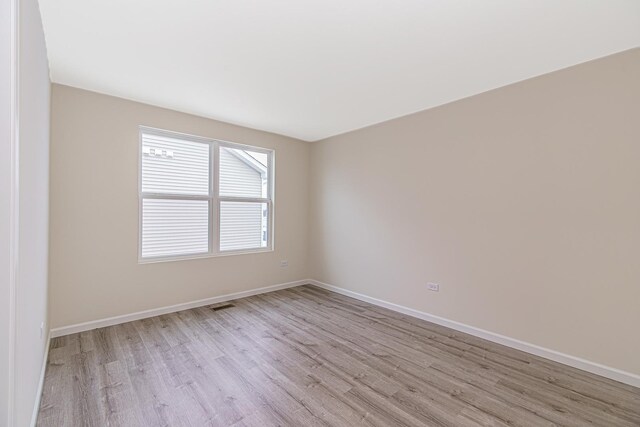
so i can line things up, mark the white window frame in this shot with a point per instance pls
(213, 197)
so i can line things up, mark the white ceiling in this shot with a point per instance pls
(312, 69)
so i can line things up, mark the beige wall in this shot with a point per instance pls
(94, 270)
(523, 203)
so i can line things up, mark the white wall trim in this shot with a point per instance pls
(556, 356)
(14, 202)
(36, 405)
(110, 321)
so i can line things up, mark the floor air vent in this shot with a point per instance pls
(221, 307)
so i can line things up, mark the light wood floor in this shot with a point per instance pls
(306, 357)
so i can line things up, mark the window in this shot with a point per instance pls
(202, 197)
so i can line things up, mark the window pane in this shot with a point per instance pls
(175, 166)
(174, 227)
(243, 173)
(243, 225)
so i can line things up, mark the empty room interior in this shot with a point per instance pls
(320, 213)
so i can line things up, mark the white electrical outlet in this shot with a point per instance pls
(284, 263)
(433, 287)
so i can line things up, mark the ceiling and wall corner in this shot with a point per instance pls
(311, 70)
(520, 203)
(94, 213)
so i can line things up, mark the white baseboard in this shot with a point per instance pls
(110, 321)
(36, 405)
(556, 356)
(576, 362)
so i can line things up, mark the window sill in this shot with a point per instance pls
(202, 256)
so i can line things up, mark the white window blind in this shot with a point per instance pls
(192, 205)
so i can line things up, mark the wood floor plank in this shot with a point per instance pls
(309, 357)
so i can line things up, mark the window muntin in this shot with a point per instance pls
(202, 197)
